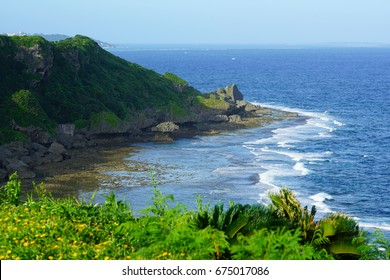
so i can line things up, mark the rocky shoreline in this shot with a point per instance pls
(41, 151)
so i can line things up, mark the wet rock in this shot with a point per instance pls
(35, 134)
(26, 159)
(53, 158)
(5, 153)
(67, 129)
(290, 115)
(249, 107)
(165, 127)
(162, 137)
(235, 119)
(57, 148)
(65, 139)
(24, 171)
(3, 174)
(219, 118)
(57, 153)
(38, 148)
(233, 93)
(79, 141)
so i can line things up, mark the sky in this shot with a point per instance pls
(204, 21)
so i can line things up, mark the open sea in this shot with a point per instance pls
(335, 155)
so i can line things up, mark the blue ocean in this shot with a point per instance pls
(335, 155)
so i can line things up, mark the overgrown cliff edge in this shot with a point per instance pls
(71, 94)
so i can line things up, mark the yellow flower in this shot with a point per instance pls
(9, 252)
(15, 229)
(26, 209)
(25, 244)
(51, 257)
(60, 239)
(106, 258)
(74, 255)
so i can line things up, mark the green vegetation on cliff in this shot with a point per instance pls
(73, 81)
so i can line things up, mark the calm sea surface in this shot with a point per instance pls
(335, 155)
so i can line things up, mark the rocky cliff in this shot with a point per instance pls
(59, 96)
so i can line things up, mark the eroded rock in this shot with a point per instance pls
(165, 127)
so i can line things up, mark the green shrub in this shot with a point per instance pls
(212, 103)
(102, 118)
(10, 192)
(50, 228)
(280, 244)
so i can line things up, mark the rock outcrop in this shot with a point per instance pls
(230, 94)
(39, 149)
(165, 127)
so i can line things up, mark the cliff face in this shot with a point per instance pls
(76, 81)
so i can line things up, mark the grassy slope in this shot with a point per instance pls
(83, 81)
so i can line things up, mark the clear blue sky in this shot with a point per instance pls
(204, 21)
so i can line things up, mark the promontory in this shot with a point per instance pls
(58, 96)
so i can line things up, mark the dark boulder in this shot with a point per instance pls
(24, 171)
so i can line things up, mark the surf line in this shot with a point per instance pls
(282, 157)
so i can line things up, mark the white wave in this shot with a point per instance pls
(300, 167)
(324, 135)
(325, 118)
(317, 118)
(269, 152)
(321, 197)
(381, 226)
(273, 171)
(319, 201)
(267, 178)
(320, 123)
(338, 123)
(297, 156)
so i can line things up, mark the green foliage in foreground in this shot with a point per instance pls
(48, 228)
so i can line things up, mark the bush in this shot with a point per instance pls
(49, 228)
(9, 193)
